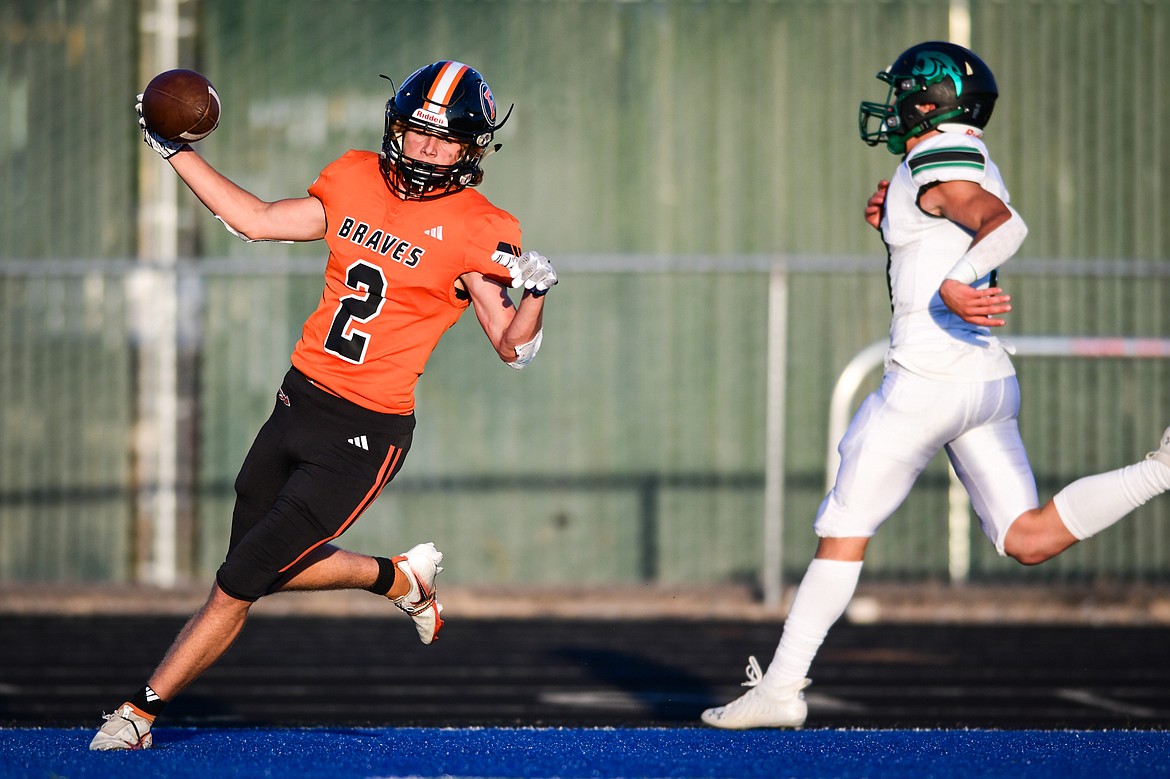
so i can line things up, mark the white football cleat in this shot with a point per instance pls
(420, 565)
(126, 728)
(1162, 453)
(761, 707)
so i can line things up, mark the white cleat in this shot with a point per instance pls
(420, 565)
(1162, 453)
(126, 728)
(761, 708)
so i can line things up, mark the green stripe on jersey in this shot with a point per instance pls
(973, 165)
(948, 157)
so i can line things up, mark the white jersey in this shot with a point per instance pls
(949, 384)
(925, 337)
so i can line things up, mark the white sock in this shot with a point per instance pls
(825, 591)
(1089, 505)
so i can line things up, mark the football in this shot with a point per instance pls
(180, 105)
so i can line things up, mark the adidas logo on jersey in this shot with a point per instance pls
(435, 232)
(360, 442)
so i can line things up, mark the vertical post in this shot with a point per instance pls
(958, 502)
(958, 530)
(648, 492)
(154, 292)
(773, 585)
(959, 23)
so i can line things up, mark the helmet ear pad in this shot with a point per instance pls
(926, 107)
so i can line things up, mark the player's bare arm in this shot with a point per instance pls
(967, 204)
(291, 219)
(980, 212)
(506, 325)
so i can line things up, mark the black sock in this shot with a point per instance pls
(387, 571)
(147, 700)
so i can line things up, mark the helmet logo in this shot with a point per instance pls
(934, 66)
(423, 115)
(487, 102)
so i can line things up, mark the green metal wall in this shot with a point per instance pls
(67, 180)
(67, 174)
(641, 129)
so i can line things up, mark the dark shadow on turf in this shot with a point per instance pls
(635, 684)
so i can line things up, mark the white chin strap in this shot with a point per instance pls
(960, 129)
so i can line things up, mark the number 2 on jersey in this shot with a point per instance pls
(344, 339)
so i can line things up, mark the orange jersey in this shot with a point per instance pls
(390, 281)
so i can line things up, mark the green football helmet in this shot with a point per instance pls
(959, 86)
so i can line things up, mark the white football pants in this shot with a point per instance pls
(903, 425)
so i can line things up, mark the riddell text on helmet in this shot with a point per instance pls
(430, 118)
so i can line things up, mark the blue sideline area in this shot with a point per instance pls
(342, 753)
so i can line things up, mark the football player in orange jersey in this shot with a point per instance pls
(411, 246)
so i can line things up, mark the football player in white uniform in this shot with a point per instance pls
(949, 384)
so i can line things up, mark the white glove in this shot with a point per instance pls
(530, 270)
(165, 149)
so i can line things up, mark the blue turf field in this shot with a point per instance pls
(337, 753)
